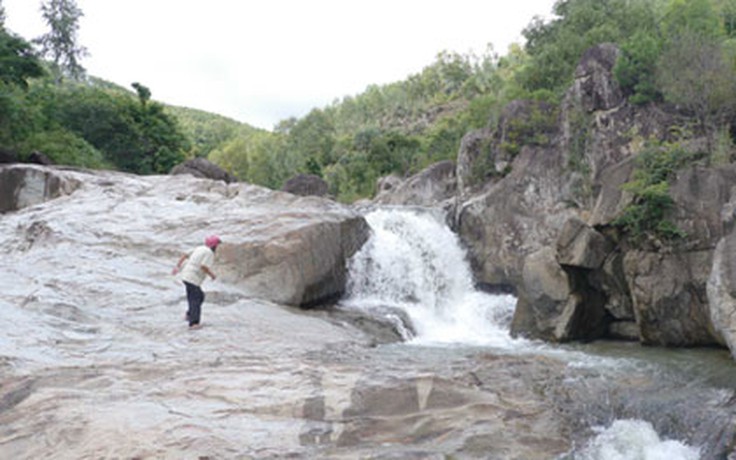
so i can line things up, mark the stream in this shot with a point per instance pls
(632, 401)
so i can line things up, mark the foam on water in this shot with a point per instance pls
(634, 440)
(415, 264)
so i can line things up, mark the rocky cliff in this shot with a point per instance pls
(537, 202)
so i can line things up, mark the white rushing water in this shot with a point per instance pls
(634, 440)
(414, 264)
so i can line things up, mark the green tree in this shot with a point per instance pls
(160, 139)
(636, 68)
(144, 94)
(312, 139)
(18, 62)
(233, 156)
(693, 17)
(60, 43)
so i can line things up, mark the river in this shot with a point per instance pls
(415, 266)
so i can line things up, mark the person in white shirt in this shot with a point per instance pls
(195, 267)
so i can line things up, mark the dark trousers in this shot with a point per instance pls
(195, 297)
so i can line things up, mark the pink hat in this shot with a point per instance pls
(212, 241)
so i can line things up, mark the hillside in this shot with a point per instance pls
(667, 46)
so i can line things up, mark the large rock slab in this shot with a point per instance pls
(301, 256)
(721, 288)
(281, 247)
(25, 185)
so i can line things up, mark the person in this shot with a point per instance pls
(195, 267)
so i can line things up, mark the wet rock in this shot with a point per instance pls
(306, 185)
(203, 168)
(624, 330)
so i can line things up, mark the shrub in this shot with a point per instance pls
(646, 216)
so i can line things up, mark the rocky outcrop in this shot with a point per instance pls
(24, 185)
(203, 168)
(515, 217)
(280, 247)
(594, 87)
(434, 186)
(306, 185)
(543, 221)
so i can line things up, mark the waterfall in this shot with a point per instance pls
(634, 439)
(415, 266)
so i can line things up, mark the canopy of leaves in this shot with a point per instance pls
(18, 62)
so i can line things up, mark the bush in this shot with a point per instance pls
(64, 148)
(646, 216)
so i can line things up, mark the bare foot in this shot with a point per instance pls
(195, 326)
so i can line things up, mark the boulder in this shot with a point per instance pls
(301, 258)
(611, 280)
(594, 81)
(203, 168)
(668, 292)
(581, 246)
(7, 156)
(557, 304)
(474, 161)
(25, 185)
(40, 158)
(435, 186)
(544, 298)
(306, 185)
(387, 183)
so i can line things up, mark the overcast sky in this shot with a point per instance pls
(263, 61)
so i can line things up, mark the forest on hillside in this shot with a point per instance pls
(679, 52)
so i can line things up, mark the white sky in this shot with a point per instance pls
(263, 61)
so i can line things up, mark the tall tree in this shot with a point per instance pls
(60, 43)
(2, 14)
